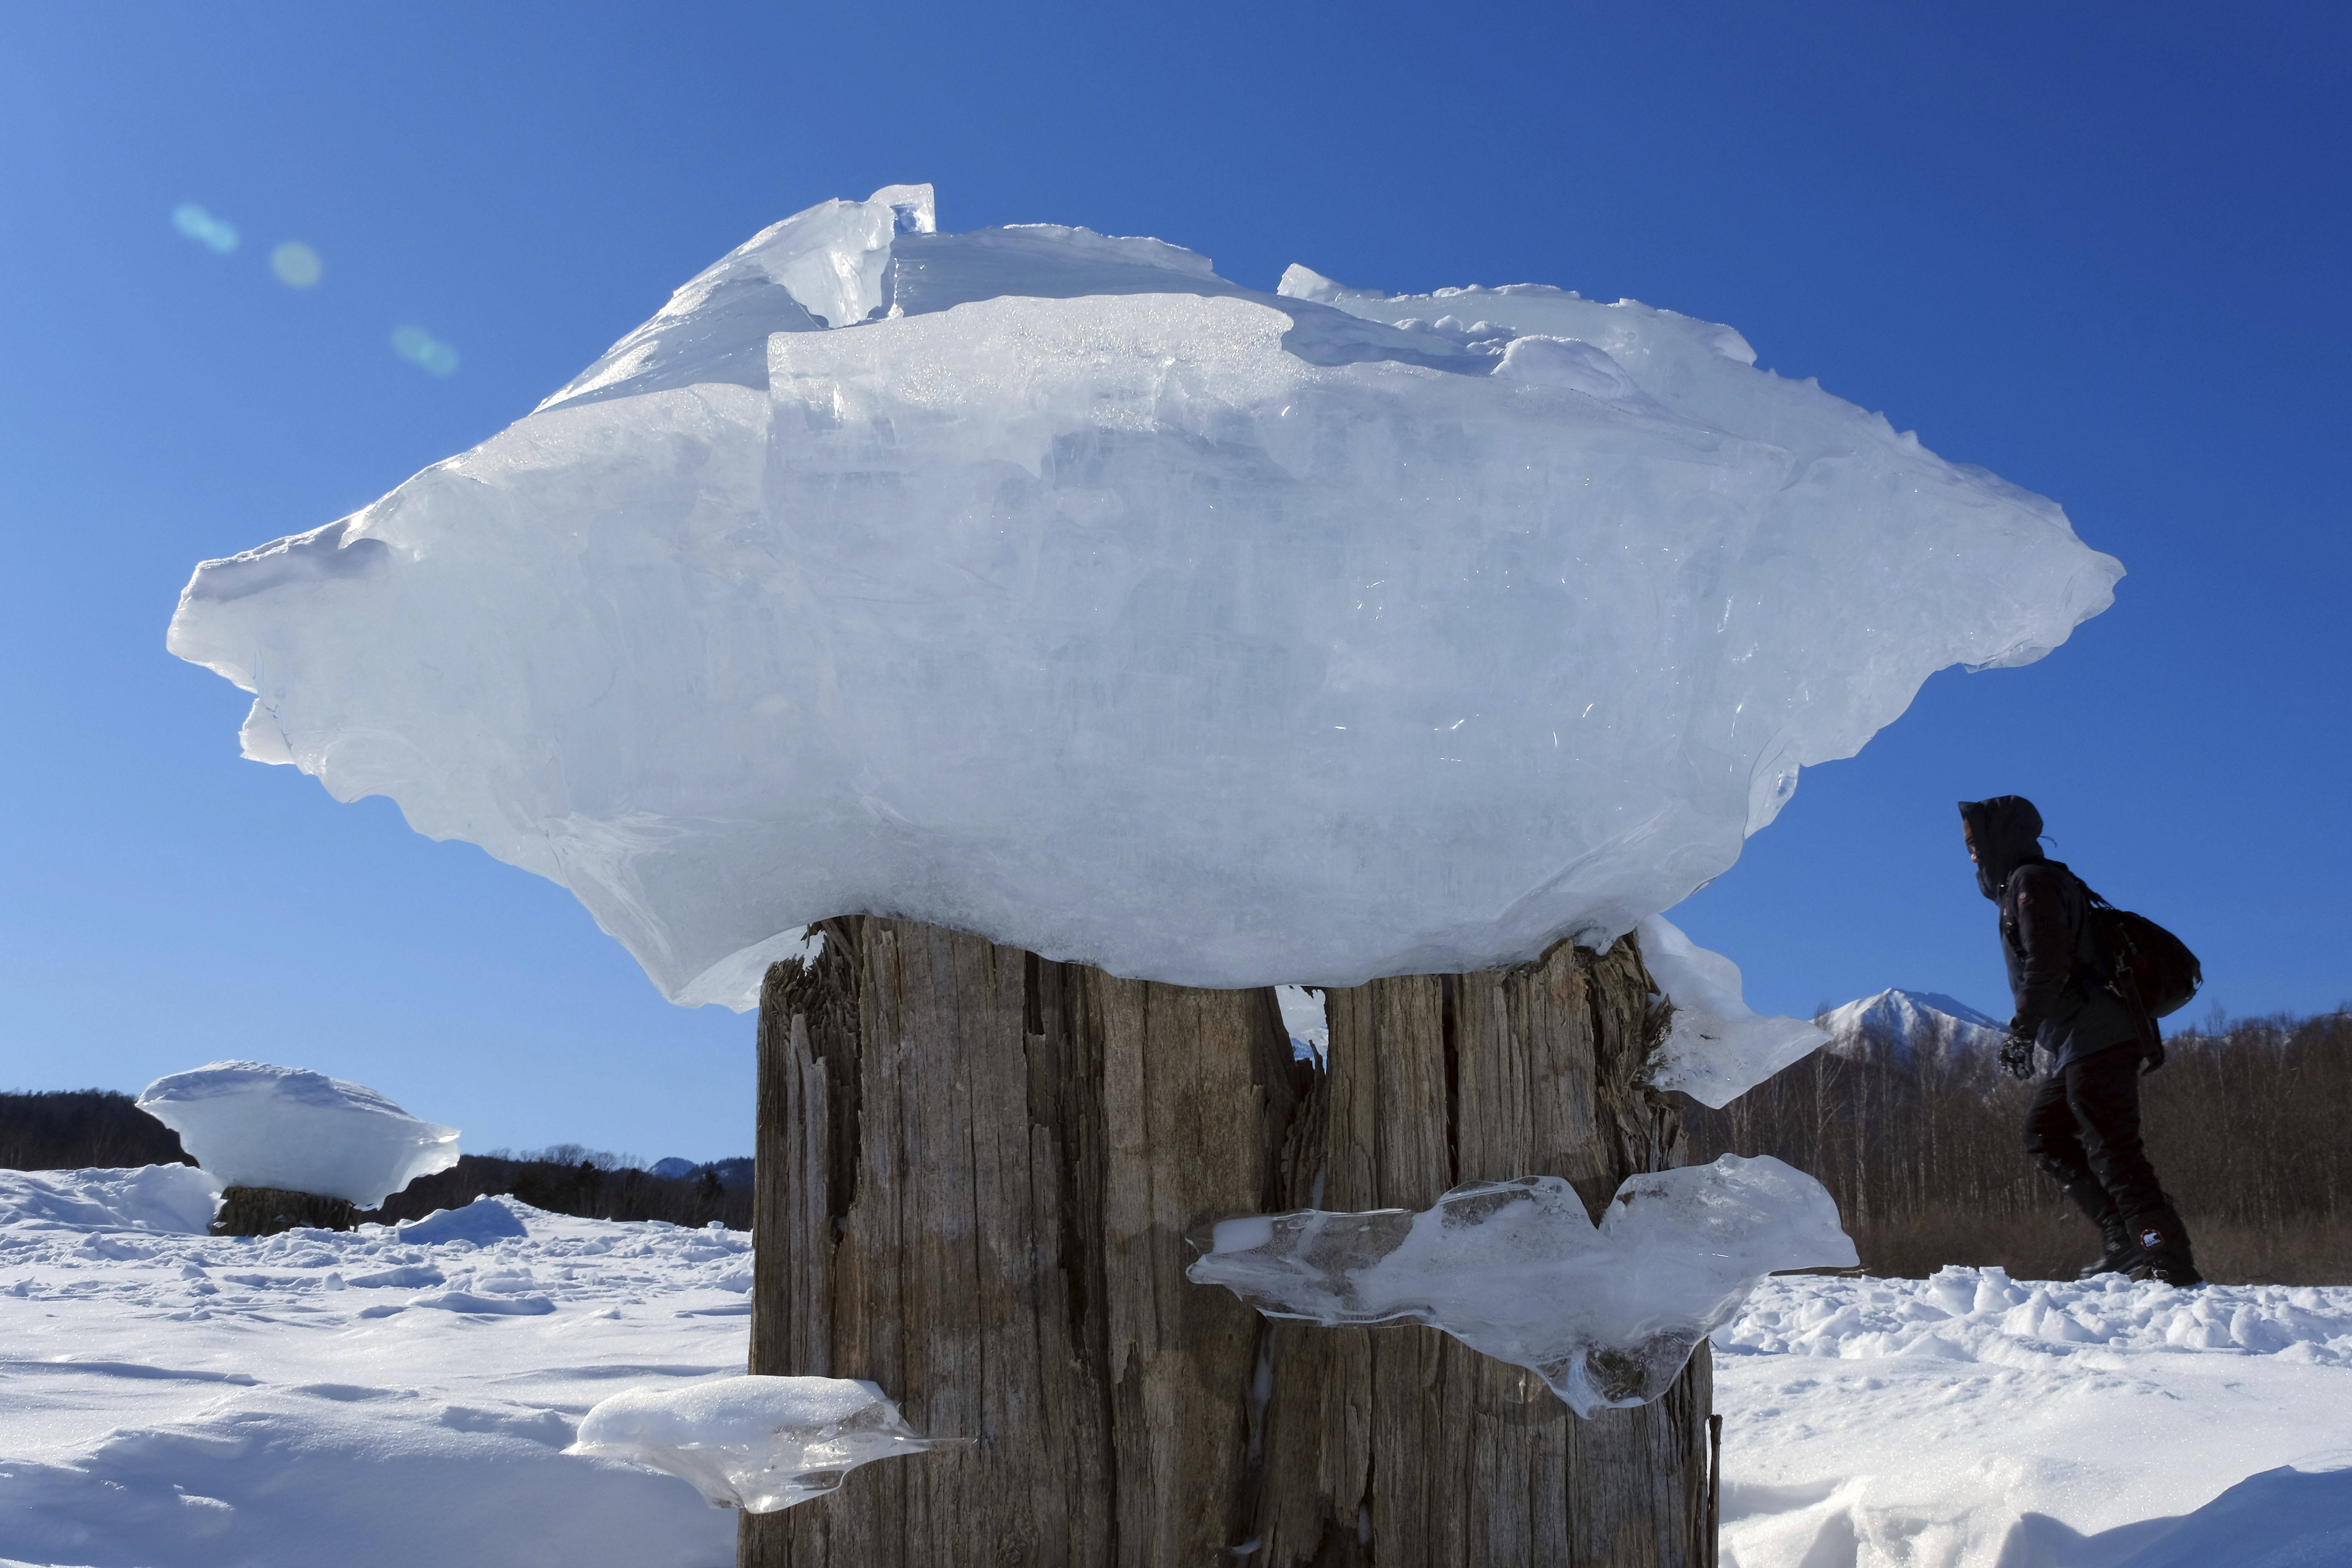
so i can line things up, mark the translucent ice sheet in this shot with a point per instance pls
(759, 1444)
(1518, 1272)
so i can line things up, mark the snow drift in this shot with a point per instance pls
(171, 1199)
(1048, 586)
(250, 1124)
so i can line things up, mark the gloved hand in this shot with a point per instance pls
(2017, 1055)
(2152, 1059)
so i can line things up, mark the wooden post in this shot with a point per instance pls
(976, 1173)
(266, 1211)
(1401, 1446)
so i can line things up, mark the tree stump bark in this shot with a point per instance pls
(266, 1211)
(977, 1170)
(1402, 1446)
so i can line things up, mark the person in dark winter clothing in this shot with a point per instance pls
(2082, 1126)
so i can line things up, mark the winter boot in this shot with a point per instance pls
(2120, 1253)
(2163, 1249)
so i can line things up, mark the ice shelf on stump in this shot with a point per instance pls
(1046, 584)
(1716, 1048)
(759, 1444)
(1516, 1270)
(250, 1124)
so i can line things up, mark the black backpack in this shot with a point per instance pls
(2149, 970)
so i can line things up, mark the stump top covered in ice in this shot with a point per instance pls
(250, 1124)
(755, 1443)
(1048, 586)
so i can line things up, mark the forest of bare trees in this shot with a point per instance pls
(1920, 1145)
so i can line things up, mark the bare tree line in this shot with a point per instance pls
(1919, 1142)
(68, 1130)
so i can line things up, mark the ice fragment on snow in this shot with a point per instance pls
(1716, 1048)
(1516, 1270)
(759, 1444)
(254, 1125)
(1067, 593)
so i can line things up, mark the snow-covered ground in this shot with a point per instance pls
(384, 1397)
(1975, 1421)
(399, 1396)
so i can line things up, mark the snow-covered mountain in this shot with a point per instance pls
(1906, 1027)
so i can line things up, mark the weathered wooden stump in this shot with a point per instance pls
(266, 1211)
(977, 1170)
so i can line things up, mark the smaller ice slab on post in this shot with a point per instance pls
(756, 1443)
(1516, 1270)
(250, 1124)
(1716, 1048)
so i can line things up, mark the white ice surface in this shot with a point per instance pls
(1066, 592)
(759, 1444)
(219, 1403)
(1517, 1269)
(254, 1125)
(1716, 1047)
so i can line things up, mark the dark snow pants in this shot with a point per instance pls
(2083, 1124)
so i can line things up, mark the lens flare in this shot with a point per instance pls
(422, 348)
(215, 235)
(297, 265)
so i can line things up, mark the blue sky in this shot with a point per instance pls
(2100, 250)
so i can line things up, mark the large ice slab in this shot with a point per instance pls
(250, 1124)
(759, 1444)
(1047, 585)
(1716, 1047)
(1518, 1272)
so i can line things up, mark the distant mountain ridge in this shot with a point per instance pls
(1904, 1027)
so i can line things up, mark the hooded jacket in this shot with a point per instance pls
(2045, 936)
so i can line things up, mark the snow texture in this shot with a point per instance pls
(175, 1199)
(1517, 1269)
(1716, 1048)
(1975, 1421)
(377, 1398)
(218, 1402)
(250, 1124)
(1046, 584)
(759, 1444)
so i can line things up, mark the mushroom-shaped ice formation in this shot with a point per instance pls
(1050, 586)
(254, 1125)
